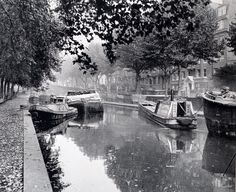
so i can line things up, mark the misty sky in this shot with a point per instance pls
(217, 1)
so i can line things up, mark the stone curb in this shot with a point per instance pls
(120, 104)
(35, 174)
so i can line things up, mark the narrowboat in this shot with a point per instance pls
(175, 114)
(46, 116)
(86, 101)
(220, 112)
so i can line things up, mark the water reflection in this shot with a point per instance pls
(87, 121)
(51, 157)
(217, 154)
(126, 154)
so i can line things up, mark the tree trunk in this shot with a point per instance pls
(12, 89)
(137, 87)
(179, 80)
(108, 83)
(166, 78)
(8, 90)
(18, 88)
(5, 90)
(1, 88)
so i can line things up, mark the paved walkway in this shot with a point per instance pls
(11, 145)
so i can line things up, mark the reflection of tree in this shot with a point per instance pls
(50, 156)
(141, 165)
(87, 120)
(94, 141)
(138, 166)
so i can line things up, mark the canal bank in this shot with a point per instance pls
(34, 166)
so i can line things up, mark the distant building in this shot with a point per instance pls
(120, 81)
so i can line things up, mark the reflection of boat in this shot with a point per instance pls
(57, 130)
(49, 115)
(85, 101)
(176, 114)
(87, 121)
(217, 154)
(220, 112)
(177, 142)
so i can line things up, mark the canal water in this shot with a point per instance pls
(119, 151)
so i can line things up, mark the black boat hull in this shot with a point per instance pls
(220, 118)
(45, 120)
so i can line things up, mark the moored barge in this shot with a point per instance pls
(177, 114)
(220, 112)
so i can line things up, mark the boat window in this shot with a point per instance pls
(181, 109)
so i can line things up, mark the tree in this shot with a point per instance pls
(29, 38)
(232, 37)
(226, 76)
(131, 56)
(182, 47)
(119, 22)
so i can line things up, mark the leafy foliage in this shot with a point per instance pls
(131, 56)
(232, 37)
(226, 76)
(28, 40)
(184, 47)
(119, 22)
(179, 49)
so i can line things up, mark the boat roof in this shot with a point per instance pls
(81, 92)
(219, 99)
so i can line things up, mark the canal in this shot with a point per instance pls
(119, 151)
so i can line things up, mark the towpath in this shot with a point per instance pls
(11, 145)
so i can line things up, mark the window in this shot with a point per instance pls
(183, 74)
(154, 80)
(150, 81)
(197, 86)
(191, 72)
(205, 72)
(198, 73)
(222, 11)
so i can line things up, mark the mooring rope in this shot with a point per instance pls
(229, 164)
